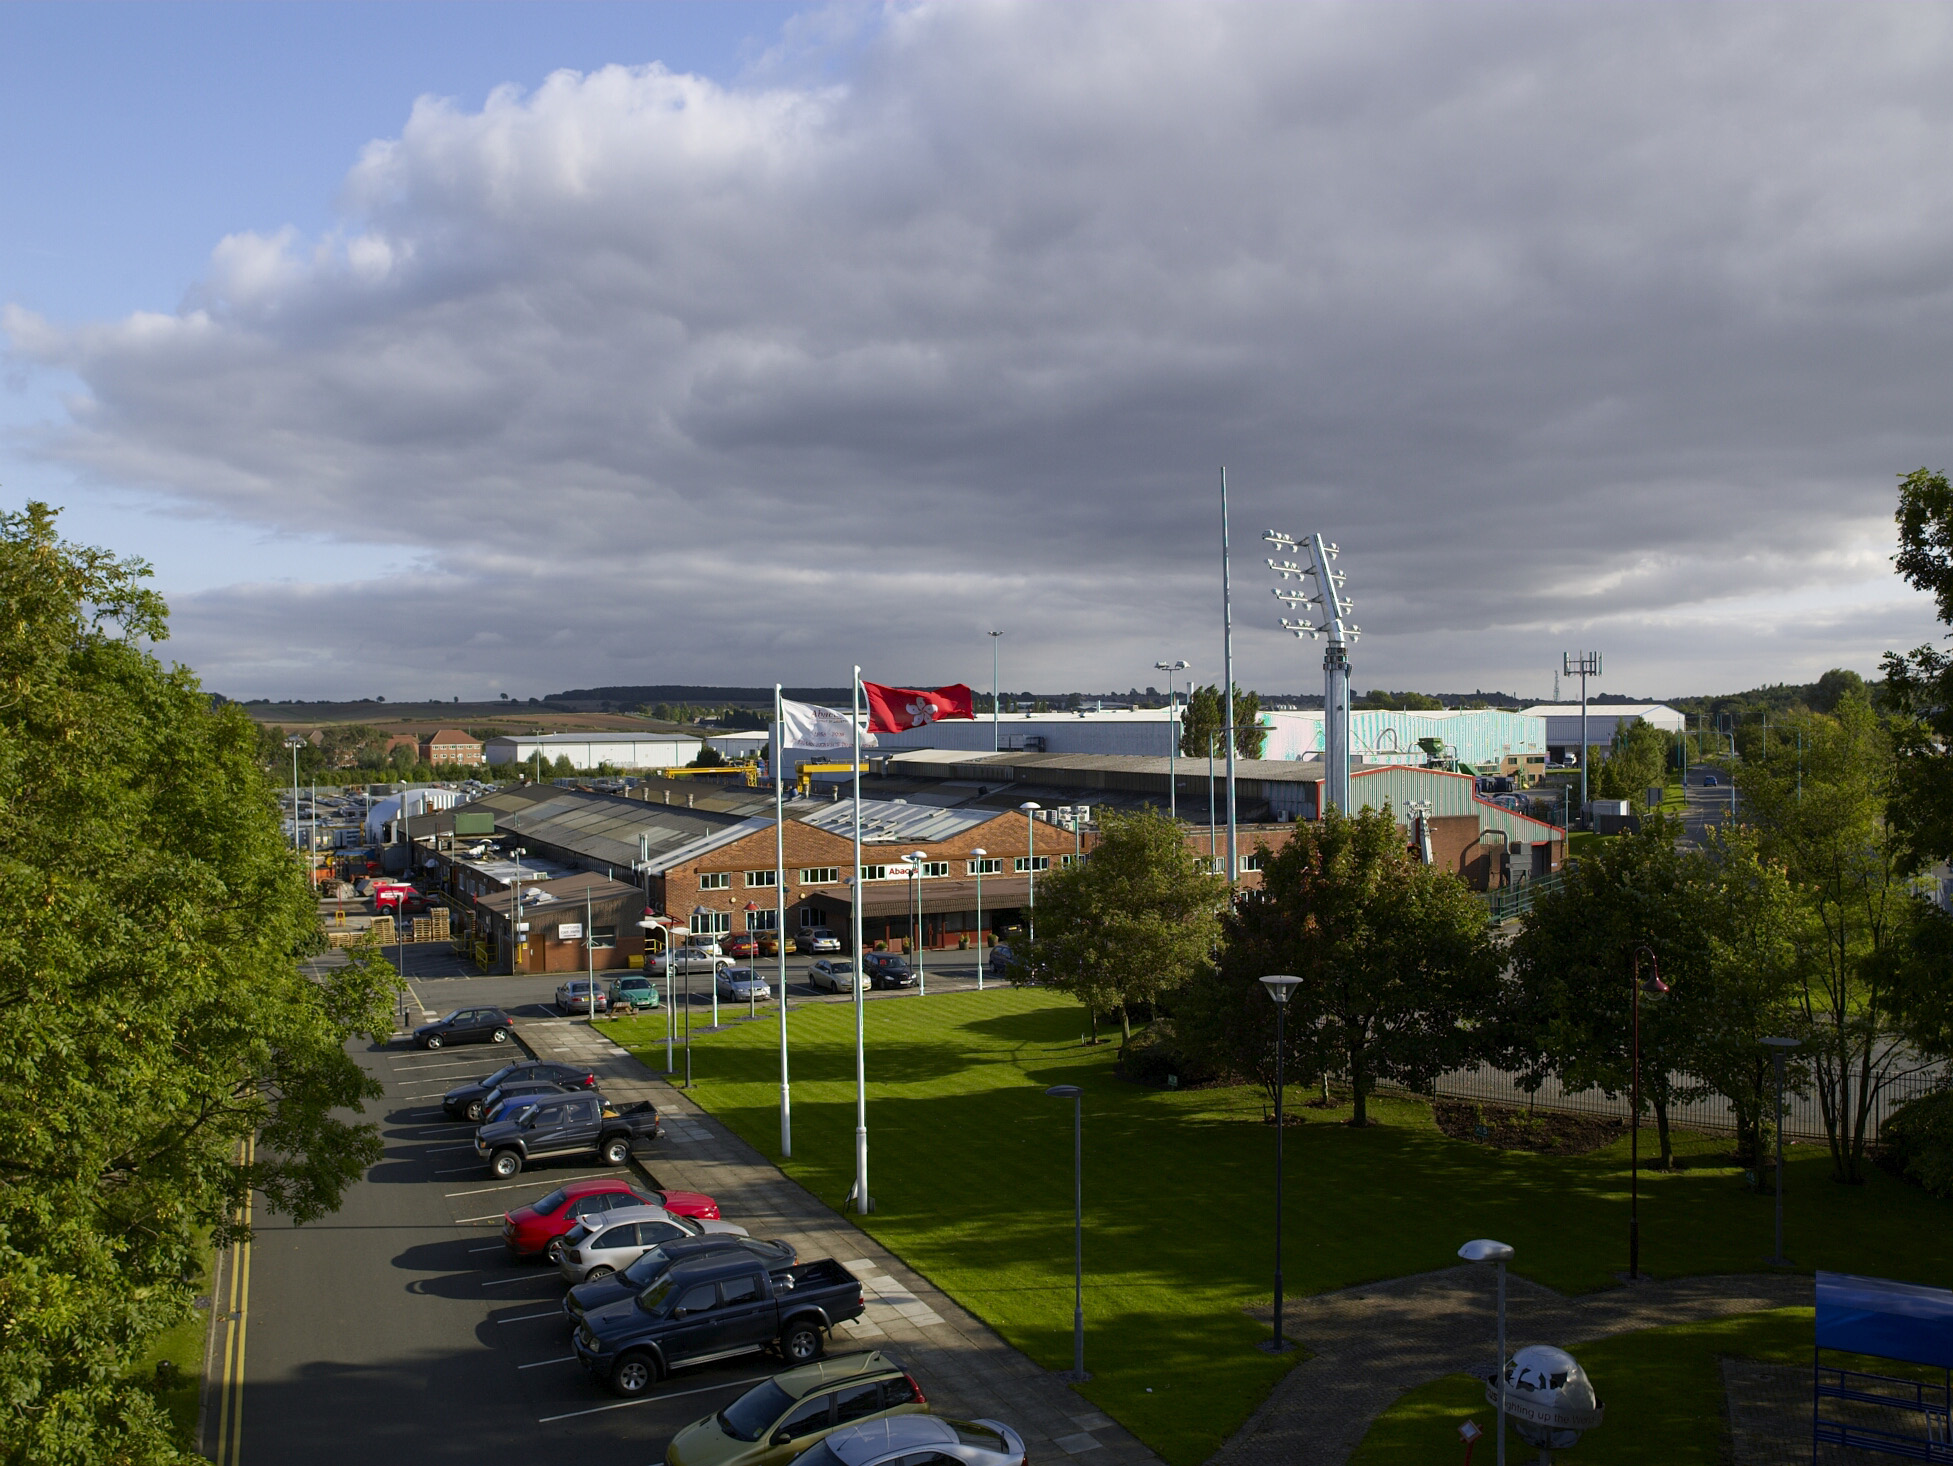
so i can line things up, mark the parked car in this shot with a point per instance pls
(466, 1026)
(463, 1102)
(711, 1309)
(575, 996)
(707, 958)
(536, 1230)
(741, 985)
(887, 970)
(918, 1438)
(516, 1091)
(573, 1125)
(653, 1265)
(600, 1246)
(751, 944)
(999, 960)
(797, 1409)
(830, 976)
(635, 991)
(816, 939)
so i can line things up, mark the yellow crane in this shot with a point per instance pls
(805, 783)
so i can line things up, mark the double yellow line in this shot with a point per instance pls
(230, 1374)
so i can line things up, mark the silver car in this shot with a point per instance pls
(833, 977)
(816, 939)
(574, 996)
(932, 1438)
(612, 1241)
(705, 958)
(742, 985)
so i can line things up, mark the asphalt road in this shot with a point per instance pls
(397, 1331)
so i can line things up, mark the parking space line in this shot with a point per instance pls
(459, 1170)
(443, 1149)
(504, 1282)
(493, 1247)
(494, 1216)
(526, 1317)
(521, 1185)
(731, 1384)
(566, 1359)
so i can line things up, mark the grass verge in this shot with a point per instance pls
(174, 1363)
(970, 1165)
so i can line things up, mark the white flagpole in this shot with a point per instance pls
(780, 916)
(861, 1201)
(1227, 685)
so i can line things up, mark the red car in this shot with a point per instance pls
(747, 944)
(537, 1230)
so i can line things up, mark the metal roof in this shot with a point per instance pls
(893, 821)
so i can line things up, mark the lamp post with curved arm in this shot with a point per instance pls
(1031, 808)
(915, 859)
(981, 855)
(1655, 988)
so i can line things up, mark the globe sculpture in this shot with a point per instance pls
(1549, 1397)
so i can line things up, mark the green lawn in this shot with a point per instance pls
(182, 1349)
(1662, 1388)
(971, 1170)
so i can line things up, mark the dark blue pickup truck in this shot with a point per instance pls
(715, 1307)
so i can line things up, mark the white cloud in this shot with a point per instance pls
(1558, 318)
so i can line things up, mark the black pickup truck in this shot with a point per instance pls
(570, 1125)
(714, 1307)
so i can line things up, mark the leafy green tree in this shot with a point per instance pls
(1570, 1009)
(1636, 763)
(1205, 717)
(1868, 971)
(1130, 923)
(708, 758)
(1399, 972)
(562, 768)
(156, 1017)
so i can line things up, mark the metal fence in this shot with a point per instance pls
(1503, 905)
(1803, 1117)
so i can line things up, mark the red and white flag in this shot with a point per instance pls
(898, 709)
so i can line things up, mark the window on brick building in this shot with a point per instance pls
(994, 866)
(763, 921)
(935, 867)
(603, 936)
(711, 923)
(1025, 863)
(879, 872)
(716, 881)
(820, 875)
(760, 877)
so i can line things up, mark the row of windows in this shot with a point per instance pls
(828, 875)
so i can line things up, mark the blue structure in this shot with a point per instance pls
(1901, 1321)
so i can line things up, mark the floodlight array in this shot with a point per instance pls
(1329, 599)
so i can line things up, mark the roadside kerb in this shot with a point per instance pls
(963, 1367)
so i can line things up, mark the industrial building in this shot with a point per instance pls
(588, 752)
(1562, 724)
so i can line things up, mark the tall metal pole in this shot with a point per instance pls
(981, 856)
(780, 909)
(1213, 834)
(1173, 731)
(861, 1199)
(1281, 1011)
(1031, 871)
(589, 951)
(1780, 1052)
(996, 735)
(1078, 1236)
(1227, 678)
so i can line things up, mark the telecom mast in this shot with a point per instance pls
(1340, 631)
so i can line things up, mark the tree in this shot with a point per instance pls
(1636, 763)
(708, 758)
(1205, 717)
(1570, 1009)
(1130, 923)
(1399, 972)
(1918, 685)
(155, 1014)
(1867, 971)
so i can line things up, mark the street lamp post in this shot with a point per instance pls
(1279, 987)
(1486, 1250)
(1173, 740)
(1077, 1097)
(1213, 835)
(520, 926)
(752, 983)
(295, 743)
(1656, 987)
(981, 855)
(996, 735)
(915, 859)
(648, 925)
(1031, 808)
(1780, 1053)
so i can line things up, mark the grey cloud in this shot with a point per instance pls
(1554, 316)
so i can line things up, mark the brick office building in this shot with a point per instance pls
(450, 746)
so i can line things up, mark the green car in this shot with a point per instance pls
(637, 992)
(776, 1420)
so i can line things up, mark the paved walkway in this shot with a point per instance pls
(1370, 1344)
(964, 1368)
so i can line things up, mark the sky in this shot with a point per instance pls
(458, 350)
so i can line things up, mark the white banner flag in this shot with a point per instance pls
(821, 730)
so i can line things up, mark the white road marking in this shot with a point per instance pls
(459, 1170)
(526, 1317)
(566, 1359)
(731, 1384)
(440, 1149)
(504, 1282)
(497, 1247)
(494, 1216)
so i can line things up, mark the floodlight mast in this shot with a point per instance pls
(1340, 632)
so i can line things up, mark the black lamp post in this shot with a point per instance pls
(1655, 988)
(1279, 988)
(1077, 1096)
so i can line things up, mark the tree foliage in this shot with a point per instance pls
(1205, 717)
(1132, 922)
(1399, 972)
(1636, 762)
(151, 922)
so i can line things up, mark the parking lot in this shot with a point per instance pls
(397, 1329)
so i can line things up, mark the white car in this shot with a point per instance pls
(816, 939)
(705, 957)
(833, 977)
(742, 985)
(609, 1242)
